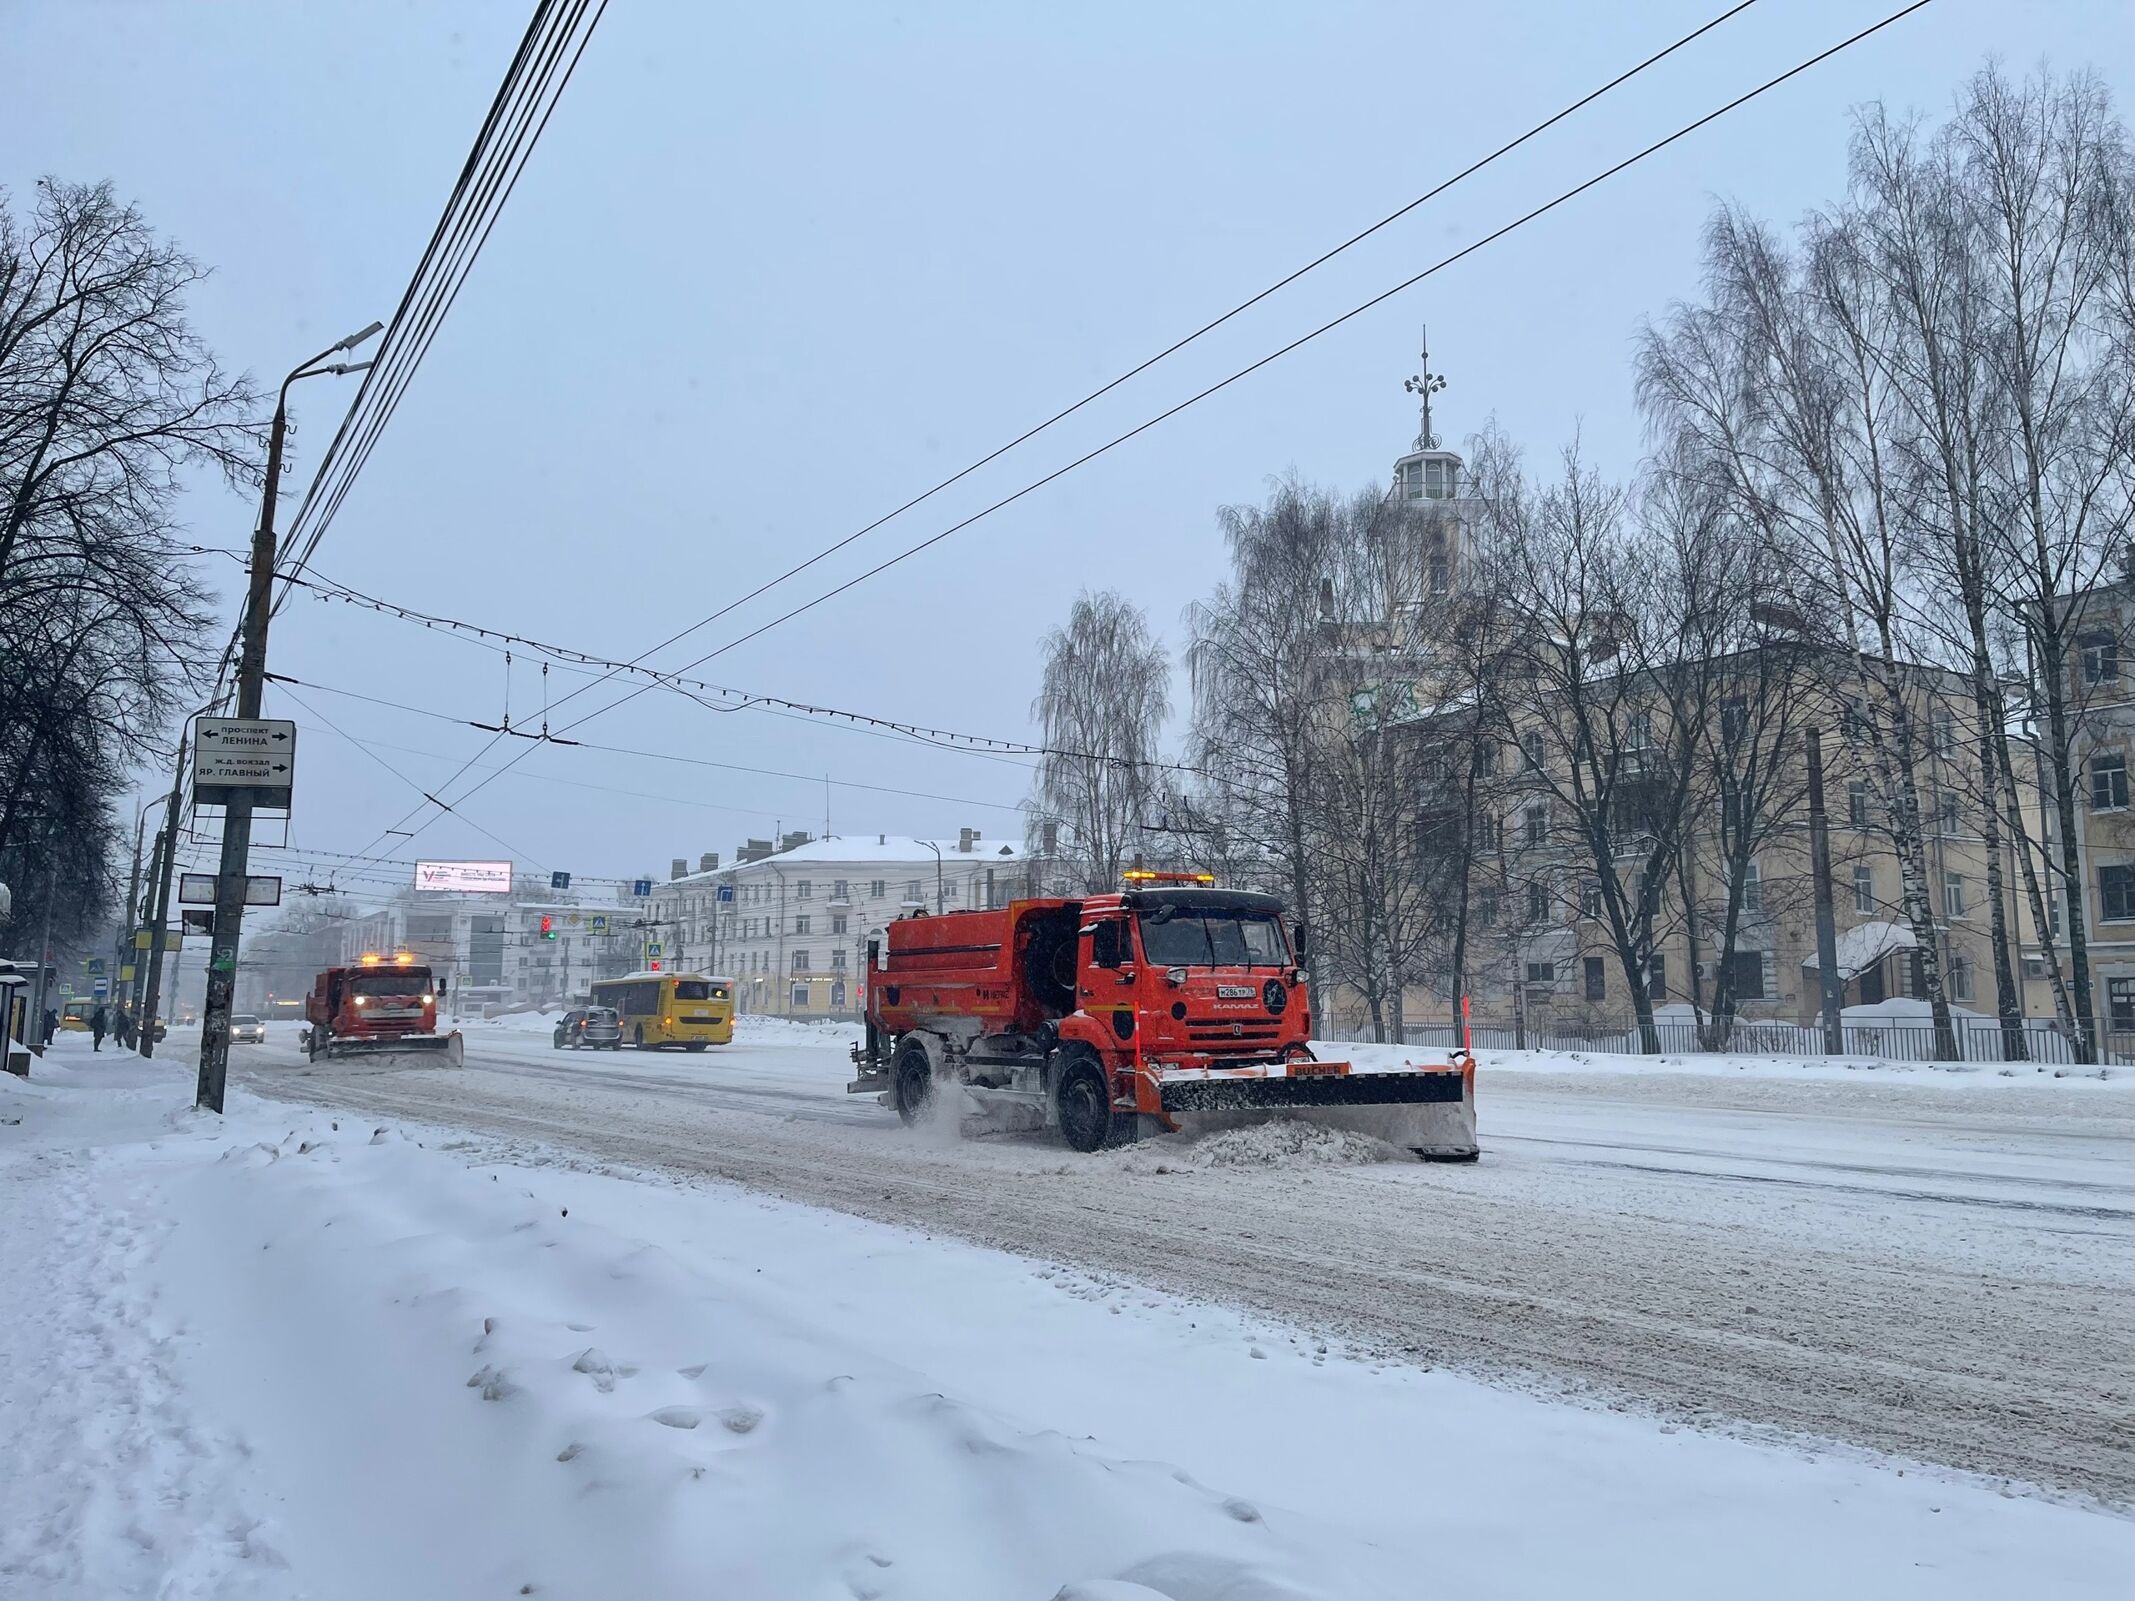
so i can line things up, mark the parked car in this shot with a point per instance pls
(590, 1028)
(247, 1030)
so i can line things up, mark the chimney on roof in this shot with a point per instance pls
(882, 839)
(708, 862)
(787, 842)
(966, 838)
(754, 851)
(679, 868)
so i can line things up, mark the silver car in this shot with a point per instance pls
(246, 1030)
(590, 1028)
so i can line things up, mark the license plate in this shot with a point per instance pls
(1318, 1069)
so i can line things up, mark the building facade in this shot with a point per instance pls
(789, 921)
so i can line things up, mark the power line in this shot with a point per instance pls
(1327, 327)
(494, 165)
(1140, 367)
(1216, 322)
(649, 755)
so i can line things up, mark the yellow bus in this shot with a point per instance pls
(662, 1009)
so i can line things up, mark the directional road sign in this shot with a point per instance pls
(559, 881)
(641, 886)
(725, 893)
(251, 756)
(198, 889)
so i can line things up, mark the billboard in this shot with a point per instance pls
(465, 878)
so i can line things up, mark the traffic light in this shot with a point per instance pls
(654, 966)
(548, 926)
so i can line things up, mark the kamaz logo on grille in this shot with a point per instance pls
(1235, 992)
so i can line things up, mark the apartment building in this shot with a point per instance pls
(789, 920)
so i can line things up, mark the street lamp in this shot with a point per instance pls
(940, 900)
(251, 681)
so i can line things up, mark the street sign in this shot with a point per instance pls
(598, 923)
(725, 893)
(144, 937)
(100, 988)
(94, 965)
(126, 973)
(559, 881)
(198, 889)
(641, 887)
(654, 948)
(198, 920)
(252, 756)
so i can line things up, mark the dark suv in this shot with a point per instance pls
(589, 1028)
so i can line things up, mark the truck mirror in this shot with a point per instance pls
(1301, 940)
(439, 991)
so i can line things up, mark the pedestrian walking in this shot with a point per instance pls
(122, 1027)
(99, 1025)
(51, 1024)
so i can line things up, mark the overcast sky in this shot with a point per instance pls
(774, 269)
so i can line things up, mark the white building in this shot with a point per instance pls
(495, 949)
(793, 926)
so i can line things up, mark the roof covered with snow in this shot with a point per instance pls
(867, 850)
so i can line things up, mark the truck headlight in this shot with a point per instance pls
(363, 1000)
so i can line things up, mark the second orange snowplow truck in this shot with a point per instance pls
(1167, 1004)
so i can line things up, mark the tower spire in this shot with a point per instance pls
(1424, 385)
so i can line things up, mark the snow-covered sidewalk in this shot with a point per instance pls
(291, 1354)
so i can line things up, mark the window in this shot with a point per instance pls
(879, 888)
(2101, 658)
(1953, 895)
(1637, 740)
(1960, 979)
(1535, 823)
(1434, 479)
(1538, 901)
(1734, 720)
(1441, 576)
(1747, 970)
(837, 960)
(1945, 731)
(837, 922)
(1486, 909)
(1657, 979)
(1485, 756)
(2109, 782)
(1946, 812)
(911, 892)
(1864, 890)
(1105, 945)
(2120, 1000)
(798, 996)
(1857, 804)
(1597, 979)
(1541, 972)
(1590, 899)
(1752, 887)
(2116, 893)
(1531, 747)
(803, 889)
(800, 923)
(801, 964)
(1489, 831)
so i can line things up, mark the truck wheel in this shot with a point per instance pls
(314, 1042)
(911, 1082)
(1082, 1104)
(640, 1031)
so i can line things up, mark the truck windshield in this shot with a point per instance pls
(692, 989)
(1193, 937)
(392, 981)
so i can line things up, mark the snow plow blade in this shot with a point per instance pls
(1427, 1108)
(1318, 1089)
(451, 1048)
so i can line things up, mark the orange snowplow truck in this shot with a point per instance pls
(382, 1004)
(1168, 1004)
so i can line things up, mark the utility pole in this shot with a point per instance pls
(1833, 986)
(233, 872)
(131, 995)
(160, 882)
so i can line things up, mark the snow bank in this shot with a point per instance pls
(1986, 1075)
(1279, 1142)
(296, 1353)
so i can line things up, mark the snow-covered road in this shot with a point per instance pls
(1942, 1270)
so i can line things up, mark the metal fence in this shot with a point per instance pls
(1977, 1040)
